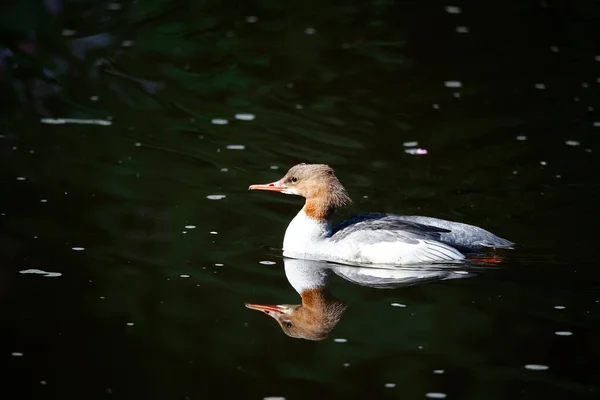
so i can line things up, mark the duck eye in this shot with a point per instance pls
(288, 324)
(294, 179)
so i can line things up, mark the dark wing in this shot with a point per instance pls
(406, 230)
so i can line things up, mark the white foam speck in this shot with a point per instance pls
(310, 31)
(69, 32)
(560, 307)
(184, 276)
(436, 106)
(453, 10)
(597, 58)
(543, 163)
(390, 385)
(572, 143)
(456, 95)
(251, 19)
(521, 137)
(42, 382)
(224, 169)
(563, 333)
(453, 84)
(588, 150)
(435, 395)
(410, 144)
(537, 367)
(236, 147)
(219, 121)
(213, 232)
(219, 265)
(274, 167)
(540, 86)
(17, 354)
(130, 324)
(267, 262)
(138, 144)
(40, 272)
(43, 201)
(462, 29)
(340, 340)
(245, 117)
(21, 178)
(398, 305)
(438, 371)
(596, 124)
(61, 121)
(554, 49)
(190, 227)
(215, 196)
(346, 364)
(273, 398)
(78, 248)
(127, 43)
(93, 98)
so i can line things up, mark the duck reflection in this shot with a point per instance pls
(320, 311)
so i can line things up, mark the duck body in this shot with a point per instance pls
(374, 238)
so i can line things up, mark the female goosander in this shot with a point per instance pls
(368, 238)
(320, 312)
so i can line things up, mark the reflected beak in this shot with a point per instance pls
(271, 187)
(268, 309)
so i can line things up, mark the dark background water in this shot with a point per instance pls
(326, 82)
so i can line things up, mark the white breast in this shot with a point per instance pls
(305, 236)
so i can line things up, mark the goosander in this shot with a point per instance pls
(374, 238)
(320, 312)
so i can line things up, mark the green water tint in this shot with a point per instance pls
(345, 85)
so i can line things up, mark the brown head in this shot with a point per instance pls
(315, 182)
(311, 320)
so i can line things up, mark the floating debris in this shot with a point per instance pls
(572, 143)
(184, 276)
(219, 121)
(267, 262)
(537, 367)
(521, 137)
(215, 196)
(438, 371)
(236, 147)
(416, 151)
(60, 121)
(190, 226)
(340, 340)
(462, 29)
(390, 385)
(453, 84)
(435, 395)
(78, 248)
(398, 305)
(540, 86)
(310, 31)
(245, 117)
(453, 10)
(563, 333)
(410, 144)
(251, 19)
(559, 307)
(40, 272)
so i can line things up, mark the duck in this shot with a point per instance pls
(371, 238)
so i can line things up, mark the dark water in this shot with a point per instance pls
(149, 308)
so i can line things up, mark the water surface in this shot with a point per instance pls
(130, 133)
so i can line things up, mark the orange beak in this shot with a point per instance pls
(271, 187)
(266, 308)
